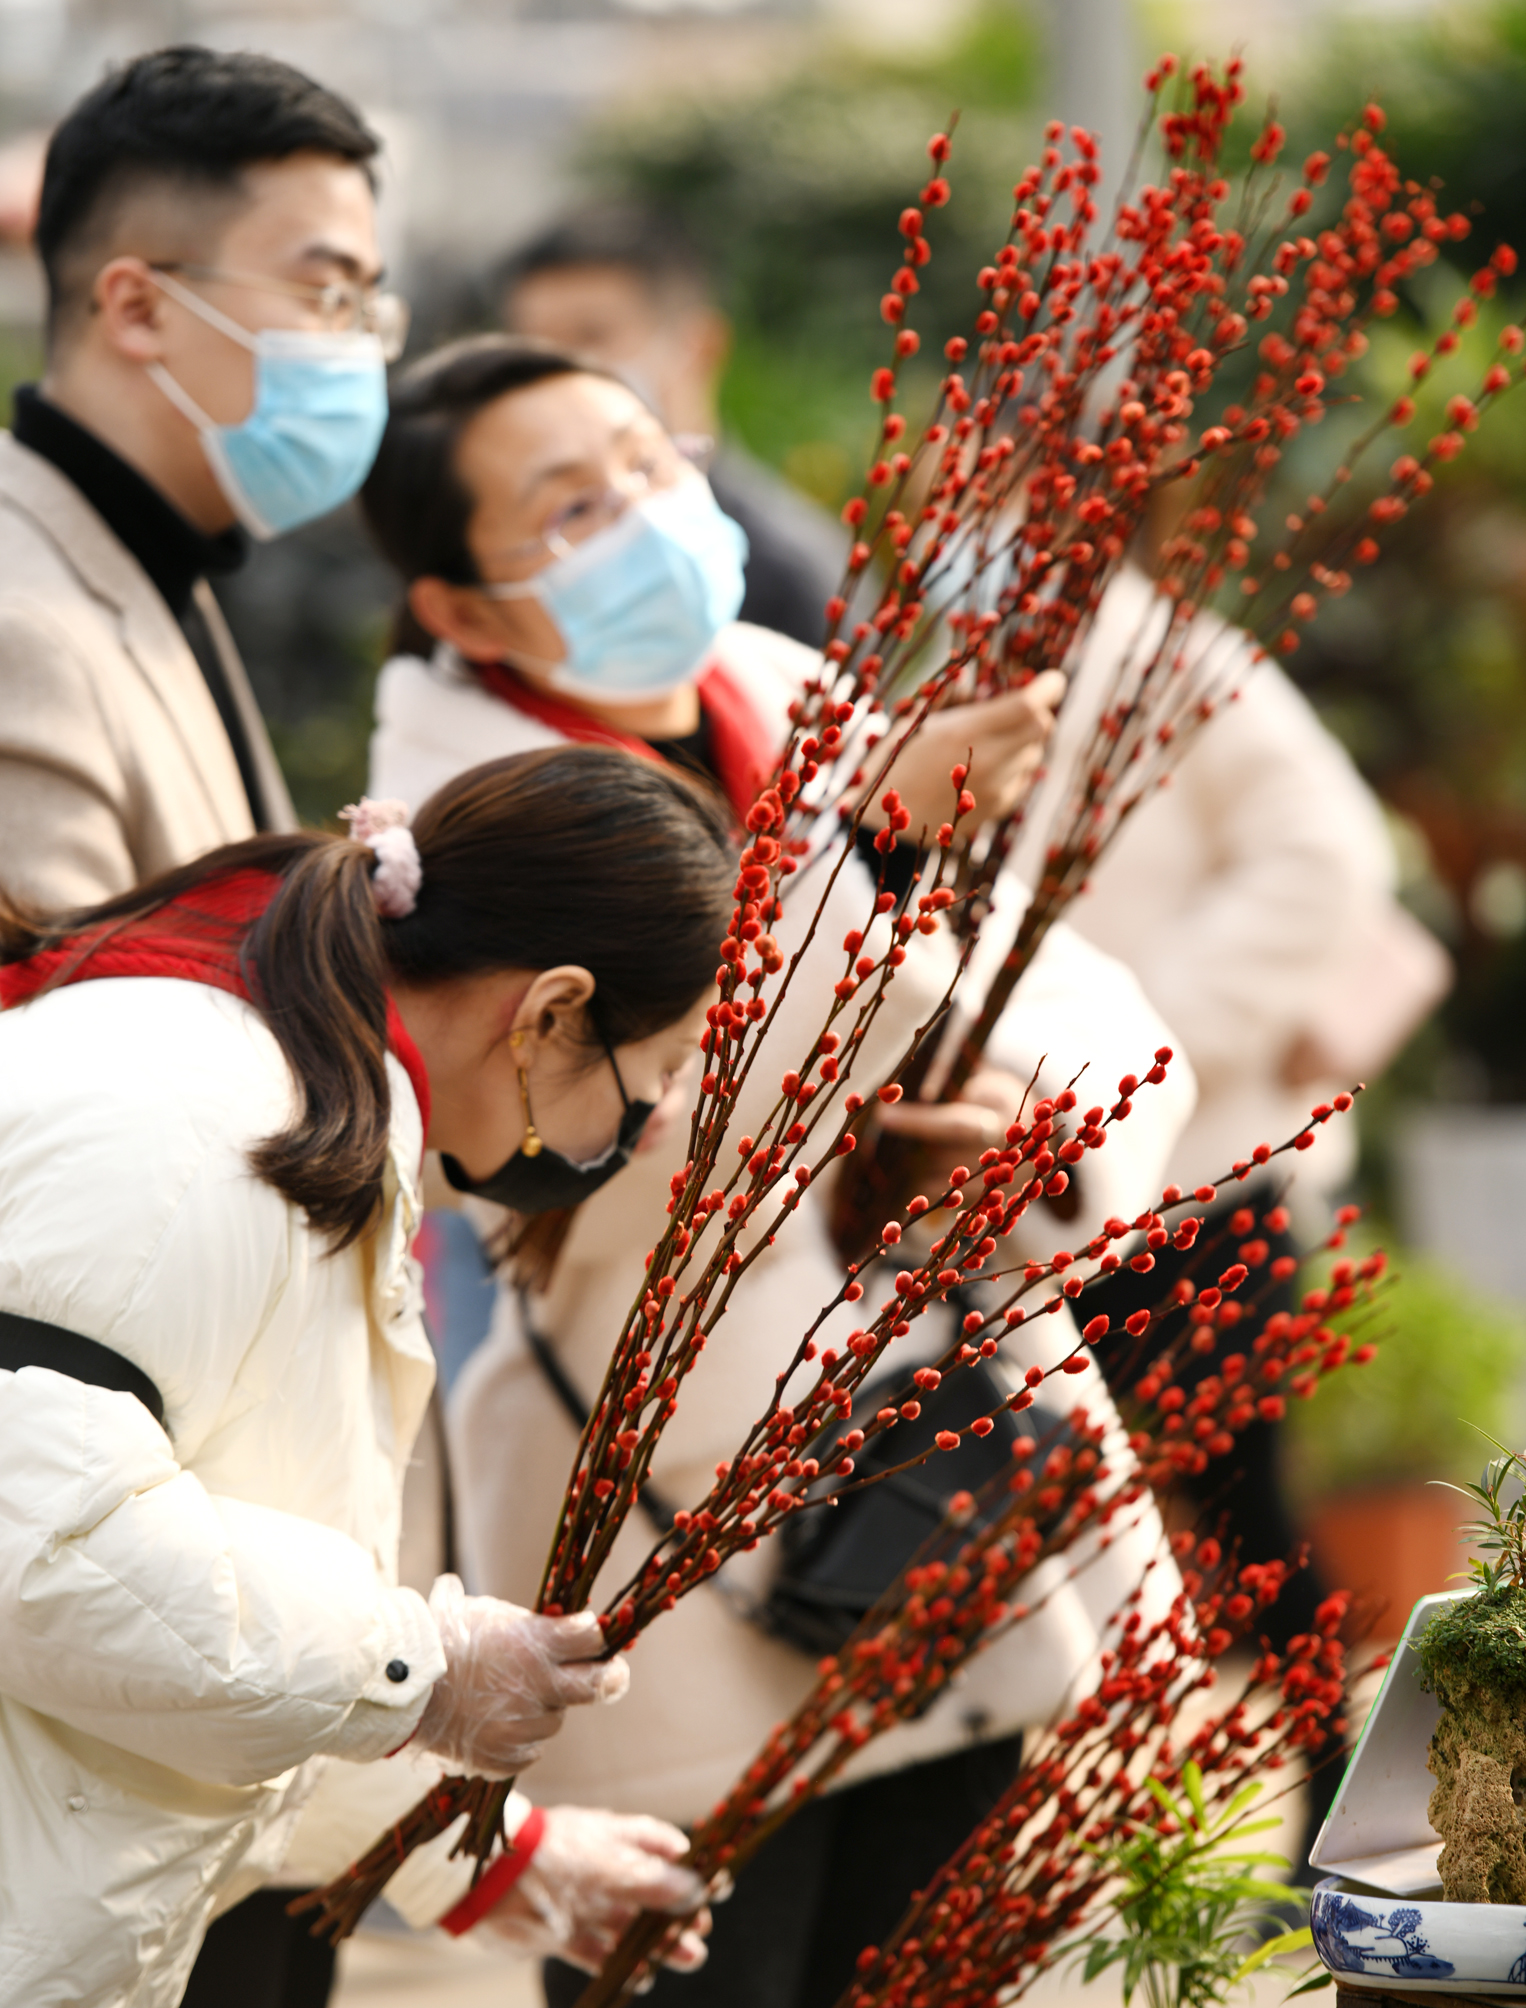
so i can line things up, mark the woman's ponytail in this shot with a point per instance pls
(316, 970)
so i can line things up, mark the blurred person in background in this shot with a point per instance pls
(569, 576)
(1254, 900)
(623, 285)
(216, 368)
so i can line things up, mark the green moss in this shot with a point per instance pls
(1477, 1642)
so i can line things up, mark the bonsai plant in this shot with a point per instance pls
(1473, 1658)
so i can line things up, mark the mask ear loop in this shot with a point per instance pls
(614, 1064)
(533, 1144)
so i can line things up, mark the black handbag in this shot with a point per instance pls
(837, 1560)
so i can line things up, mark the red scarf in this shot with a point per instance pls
(197, 938)
(744, 756)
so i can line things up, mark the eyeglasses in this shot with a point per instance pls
(344, 305)
(663, 464)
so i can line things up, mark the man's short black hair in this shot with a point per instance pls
(183, 116)
(650, 243)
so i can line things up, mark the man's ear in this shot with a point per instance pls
(458, 615)
(129, 306)
(710, 341)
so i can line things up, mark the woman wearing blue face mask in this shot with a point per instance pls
(568, 577)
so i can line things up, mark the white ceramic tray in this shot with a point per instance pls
(1372, 1940)
(1376, 1832)
(1378, 1918)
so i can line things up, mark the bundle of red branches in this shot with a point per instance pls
(993, 1915)
(993, 534)
(1198, 1370)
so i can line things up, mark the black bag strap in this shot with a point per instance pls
(653, 1504)
(30, 1342)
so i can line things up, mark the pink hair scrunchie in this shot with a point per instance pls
(399, 871)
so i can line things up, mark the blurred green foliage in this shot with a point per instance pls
(793, 194)
(1447, 1366)
(21, 361)
(1422, 670)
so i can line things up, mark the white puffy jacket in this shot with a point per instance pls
(189, 1616)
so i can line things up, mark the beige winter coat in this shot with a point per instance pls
(709, 1685)
(114, 763)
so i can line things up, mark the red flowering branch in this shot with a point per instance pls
(993, 535)
(1042, 461)
(1037, 1867)
(961, 1593)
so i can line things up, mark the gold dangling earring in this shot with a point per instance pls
(532, 1145)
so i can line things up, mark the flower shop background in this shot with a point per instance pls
(787, 134)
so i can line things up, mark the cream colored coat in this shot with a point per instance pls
(114, 763)
(1244, 896)
(707, 1684)
(189, 1616)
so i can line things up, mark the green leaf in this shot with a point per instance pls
(1274, 1948)
(1192, 1778)
(1312, 1985)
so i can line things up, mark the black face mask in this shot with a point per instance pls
(537, 1179)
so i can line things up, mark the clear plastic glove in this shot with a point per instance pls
(592, 1873)
(509, 1678)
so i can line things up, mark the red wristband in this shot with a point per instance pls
(498, 1878)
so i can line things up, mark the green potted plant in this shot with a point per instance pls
(1361, 1459)
(1197, 1912)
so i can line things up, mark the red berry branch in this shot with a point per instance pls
(913, 1642)
(1042, 462)
(1038, 1867)
(983, 548)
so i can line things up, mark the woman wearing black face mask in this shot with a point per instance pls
(537, 1180)
(215, 1092)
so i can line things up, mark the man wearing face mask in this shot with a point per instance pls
(216, 370)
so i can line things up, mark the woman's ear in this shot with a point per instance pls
(555, 1002)
(459, 615)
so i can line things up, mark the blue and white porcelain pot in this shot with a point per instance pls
(1368, 1940)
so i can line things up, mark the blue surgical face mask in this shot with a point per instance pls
(639, 605)
(320, 407)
